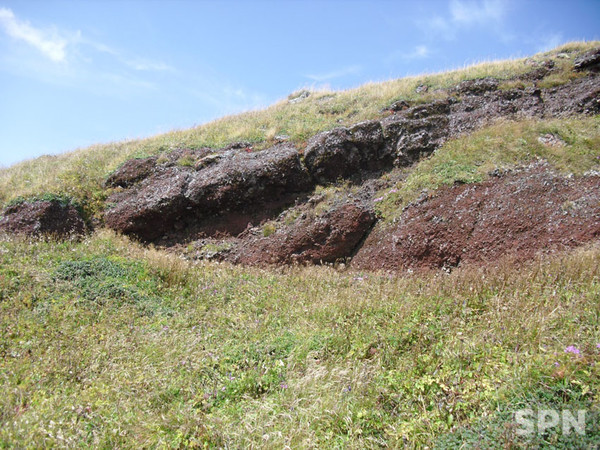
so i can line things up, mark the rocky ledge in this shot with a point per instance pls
(262, 207)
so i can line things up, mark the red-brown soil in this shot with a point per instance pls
(518, 215)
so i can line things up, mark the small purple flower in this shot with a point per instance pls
(359, 278)
(283, 385)
(597, 345)
(572, 349)
(378, 199)
(393, 191)
(557, 364)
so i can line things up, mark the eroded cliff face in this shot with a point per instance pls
(264, 207)
(517, 213)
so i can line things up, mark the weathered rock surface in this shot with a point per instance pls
(588, 61)
(515, 215)
(51, 217)
(323, 239)
(178, 196)
(131, 171)
(346, 152)
(227, 194)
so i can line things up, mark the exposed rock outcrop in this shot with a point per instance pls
(42, 217)
(347, 152)
(131, 171)
(191, 194)
(588, 61)
(322, 239)
(517, 214)
(179, 196)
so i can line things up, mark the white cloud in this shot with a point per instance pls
(477, 12)
(418, 52)
(53, 45)
(49, 43)
(464, 14)
(339, 73)
(548, 42)
(133, 62)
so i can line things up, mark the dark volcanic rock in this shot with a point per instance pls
(517, 214)
(407, 140)
(327, 238)
(581, 96)
(212, 194)
(346, 152)
(51, 217)
(588, 61)
(240, 178)
(477, 87)
(131, 171)
(152, 207)
(177, 197)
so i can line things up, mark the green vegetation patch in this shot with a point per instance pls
(568, 145)
(305, 357)
(62, 199)
(101, 281)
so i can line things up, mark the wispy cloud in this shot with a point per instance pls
(548, 42)
(226, 98)
(133, 62)
(70, 59)
(418, 52)
(147, 65)
(49, 43)
(74, 61)
(464, 14)
(477, 12)
(339, 73)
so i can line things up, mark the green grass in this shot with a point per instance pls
(504, 145)
(80, 174)
(105, 343)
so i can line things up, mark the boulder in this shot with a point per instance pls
(477, 87)
(152, 207)
(42, 217)
(588, 61)
(132, 171)
(407, 140)
(242, 179)
(346, 152)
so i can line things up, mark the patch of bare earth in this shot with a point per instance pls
(517, 214)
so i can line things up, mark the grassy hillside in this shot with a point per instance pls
(108, 344)
(80, 174)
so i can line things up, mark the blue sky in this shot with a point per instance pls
(74, 73)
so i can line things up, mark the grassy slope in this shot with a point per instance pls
(80, 173)
(108, 344)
